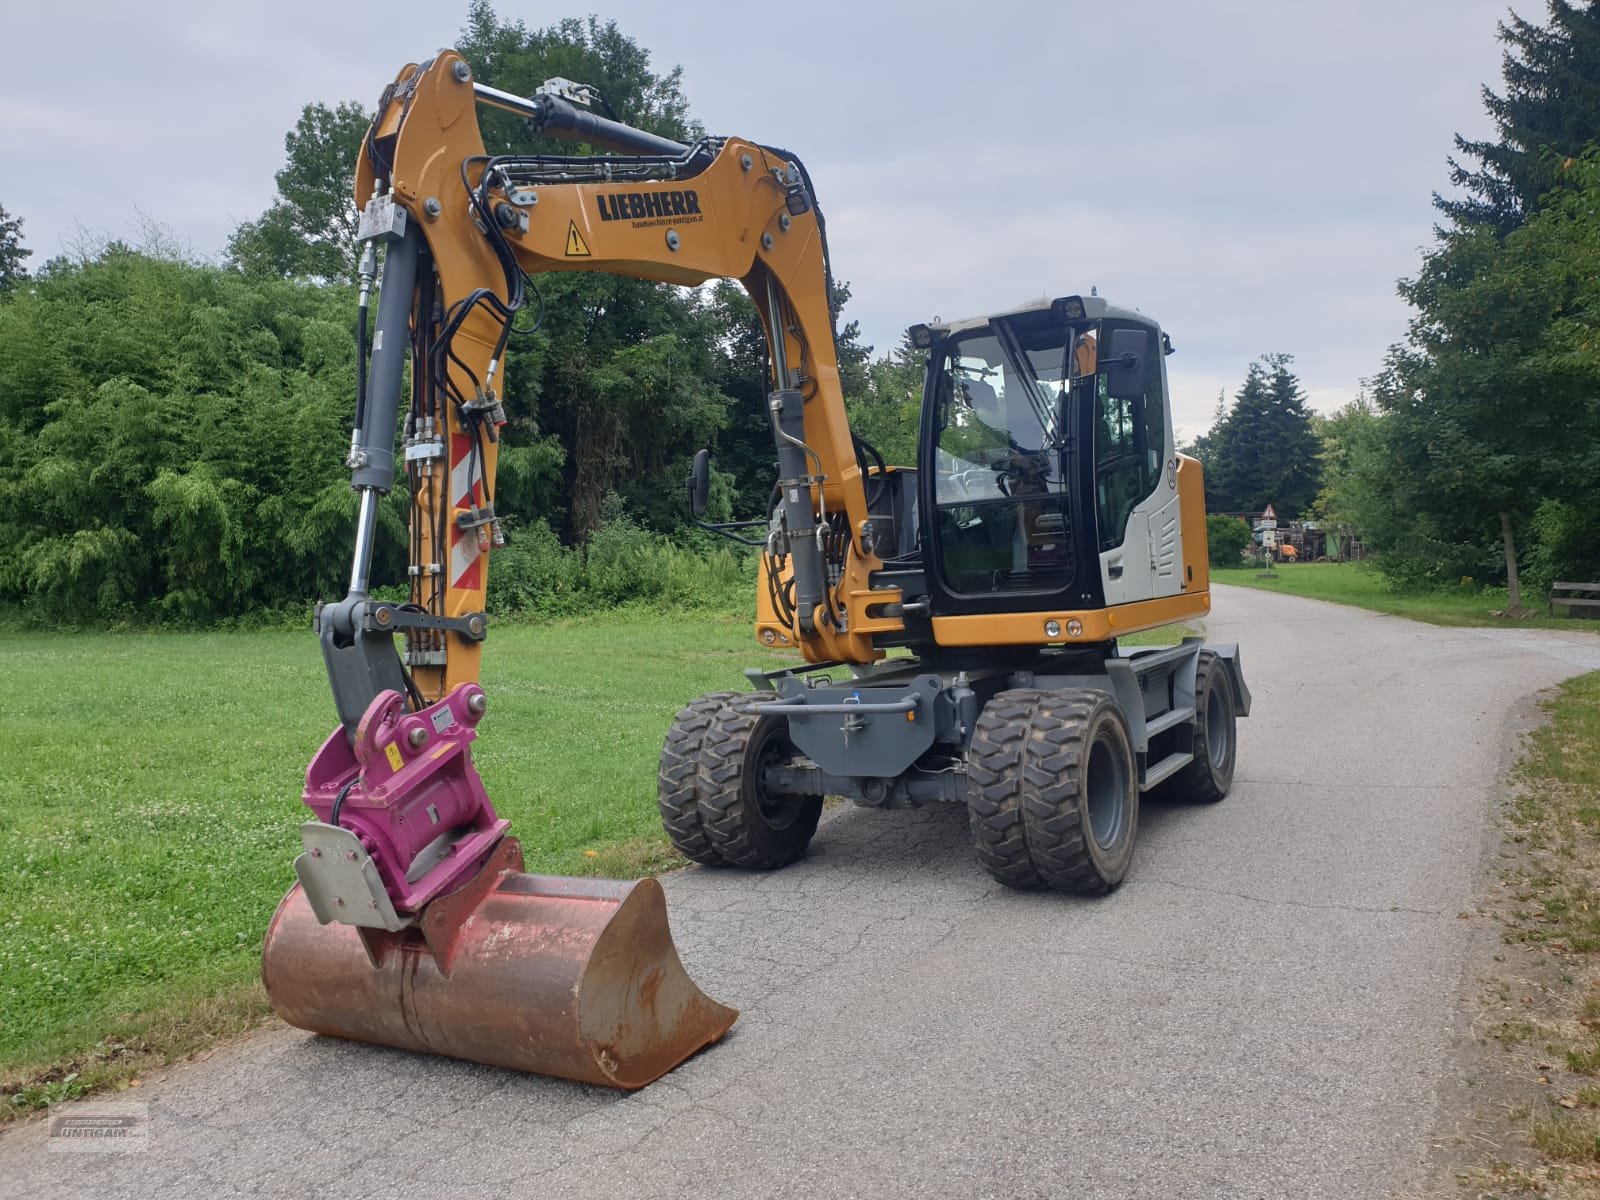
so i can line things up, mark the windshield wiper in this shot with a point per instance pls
(1023, 365)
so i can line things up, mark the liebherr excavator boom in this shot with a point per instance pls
(412, 923)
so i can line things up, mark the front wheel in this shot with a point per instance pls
(747, 823)
(678, 778)
(1052, 795)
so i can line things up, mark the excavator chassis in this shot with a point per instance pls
(865, 736)
(575, 978)
(1049, 751)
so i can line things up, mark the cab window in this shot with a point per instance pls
(1129, 446)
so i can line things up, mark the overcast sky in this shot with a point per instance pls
(1254, 175)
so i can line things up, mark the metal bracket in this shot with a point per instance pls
(388, 618)
(567, 89)
(341, 881)
(851, 708)
(482, 514)
(443, 918)
(422, 451)
(382, 220)
(764, 680)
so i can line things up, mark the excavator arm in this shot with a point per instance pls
(413, 924)
(461, 230)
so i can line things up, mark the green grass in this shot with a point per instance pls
(150, 813)
(1361, 585)
(1551, 909)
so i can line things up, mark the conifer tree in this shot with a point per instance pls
(12, 253)
(1264, 451)
(1549, 111)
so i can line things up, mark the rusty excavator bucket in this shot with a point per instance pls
(462, 953)
(576, 978)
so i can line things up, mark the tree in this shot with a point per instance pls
(1548, 113)
(1226, 539)
(170, 440)
(510, 56)
(1494, 407)
(1264, 450)
(1354, 489)
(888, 410)
(853, 355)
(12, 272)
(1487, 415)
(309, 230)
(1201, 449)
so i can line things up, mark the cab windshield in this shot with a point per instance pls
(1001, 473)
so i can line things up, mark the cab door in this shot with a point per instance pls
(1135, 469)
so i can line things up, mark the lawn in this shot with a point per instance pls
(1541, 1004)
(149, 810)
(1361, 585)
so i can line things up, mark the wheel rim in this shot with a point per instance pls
(778, 810)
(1219, 733)
(1107, 787)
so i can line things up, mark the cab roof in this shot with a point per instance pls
(1072, 308)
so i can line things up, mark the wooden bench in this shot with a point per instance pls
(1570, 602)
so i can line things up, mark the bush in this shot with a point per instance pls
(1563, 544)
(1418, 562)
(534, 572)
(623, 563)
(1226, 539)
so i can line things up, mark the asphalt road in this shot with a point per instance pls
(1265, 1009)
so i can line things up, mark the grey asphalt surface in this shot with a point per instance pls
(1265, 1009)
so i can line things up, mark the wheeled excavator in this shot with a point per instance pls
(958, 621)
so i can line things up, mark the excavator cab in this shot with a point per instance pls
(1017, 407)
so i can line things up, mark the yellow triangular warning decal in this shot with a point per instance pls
(576, 246)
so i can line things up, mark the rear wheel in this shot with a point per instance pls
(748, 824)
(678, 778)
(1207, 779)
(1052, 796)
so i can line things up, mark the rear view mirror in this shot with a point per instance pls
(700, 482)
(1124, 365)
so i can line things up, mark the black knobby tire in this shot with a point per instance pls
(1207, 779)
(1052, 794)
(748, 826)
(678, 778)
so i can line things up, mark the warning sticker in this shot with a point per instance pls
(576, 246)
(395, 761)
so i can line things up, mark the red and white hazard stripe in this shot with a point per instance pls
(465, 569)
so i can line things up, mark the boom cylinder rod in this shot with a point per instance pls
(366, 534)
(775, 339)
(800, 518)
(786, 407)
(560, 118)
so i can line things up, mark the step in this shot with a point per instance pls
(1170, 765)
(1155, 725)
